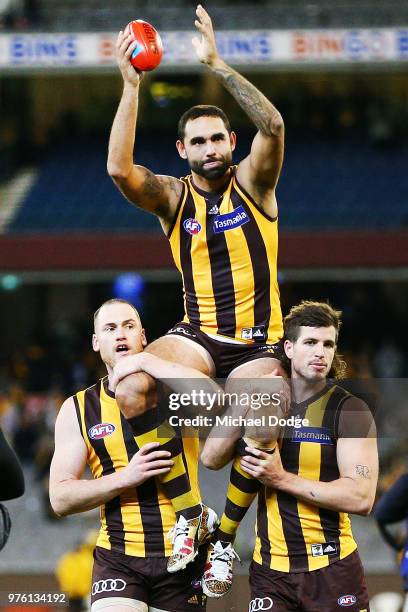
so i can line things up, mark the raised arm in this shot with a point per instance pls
(259, 172)
(155, 193)
(69, 493)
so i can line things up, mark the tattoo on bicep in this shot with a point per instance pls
(362, 470)
(312, 494)
(152, 187)
(251, 100)
(174, 186)
(172, 190)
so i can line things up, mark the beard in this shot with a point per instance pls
(211, 174)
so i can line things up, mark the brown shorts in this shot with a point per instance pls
(147, 580)
(226, 356)
(340, 586)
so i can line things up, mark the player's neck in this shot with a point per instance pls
(211, 185)
(303, 389)
(110, 377)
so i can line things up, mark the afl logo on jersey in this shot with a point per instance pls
(192, 226)
(101, 430)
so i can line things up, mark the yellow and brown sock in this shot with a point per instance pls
(242, 490)
(175, 483)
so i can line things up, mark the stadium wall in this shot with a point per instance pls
(348, 249)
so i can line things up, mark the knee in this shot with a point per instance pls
(209, 460)
(134, 396)
(210, 457)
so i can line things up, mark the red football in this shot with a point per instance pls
(149, 51)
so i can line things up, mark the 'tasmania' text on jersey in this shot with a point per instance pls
(226, 249)
(136, 522)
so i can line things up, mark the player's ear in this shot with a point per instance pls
(233, 140)
(143, 337)
(288, 348)
(95, 343)
(181, 149)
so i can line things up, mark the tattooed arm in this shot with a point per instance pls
(259, 172)
(156, 194)
(357, 462)
(353, 491)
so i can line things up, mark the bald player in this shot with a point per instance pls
(132, 482)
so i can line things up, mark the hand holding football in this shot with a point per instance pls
(149, 50)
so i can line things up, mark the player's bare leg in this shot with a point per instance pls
(243, 379)
(251, 378)
(137, 392)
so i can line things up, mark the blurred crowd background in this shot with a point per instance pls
(55, 357)
(107, 14)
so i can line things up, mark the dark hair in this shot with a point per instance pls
(114, 301)
(201, 110)
(314, 314)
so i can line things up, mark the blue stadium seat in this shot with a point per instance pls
(324, 185)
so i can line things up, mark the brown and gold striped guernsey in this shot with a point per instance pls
(136, 522)
(294, 536)
(226, 249)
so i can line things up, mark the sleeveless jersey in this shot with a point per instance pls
(292, 535)
(226, 249)
(136, 522)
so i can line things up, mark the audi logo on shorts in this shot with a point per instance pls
(105, 586)
(260, 603)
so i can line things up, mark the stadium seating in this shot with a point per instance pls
(325, 184)
(73, 192)
(66, 15)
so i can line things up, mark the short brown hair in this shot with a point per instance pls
(114, 301)
(314, 314)
(201, 110)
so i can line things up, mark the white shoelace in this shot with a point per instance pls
(178, 533)
(221, 559)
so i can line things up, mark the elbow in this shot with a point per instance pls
(277, 125)
(59, 504)
(117, 170)
(363, 510)
(365, 506)
(59, 508)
